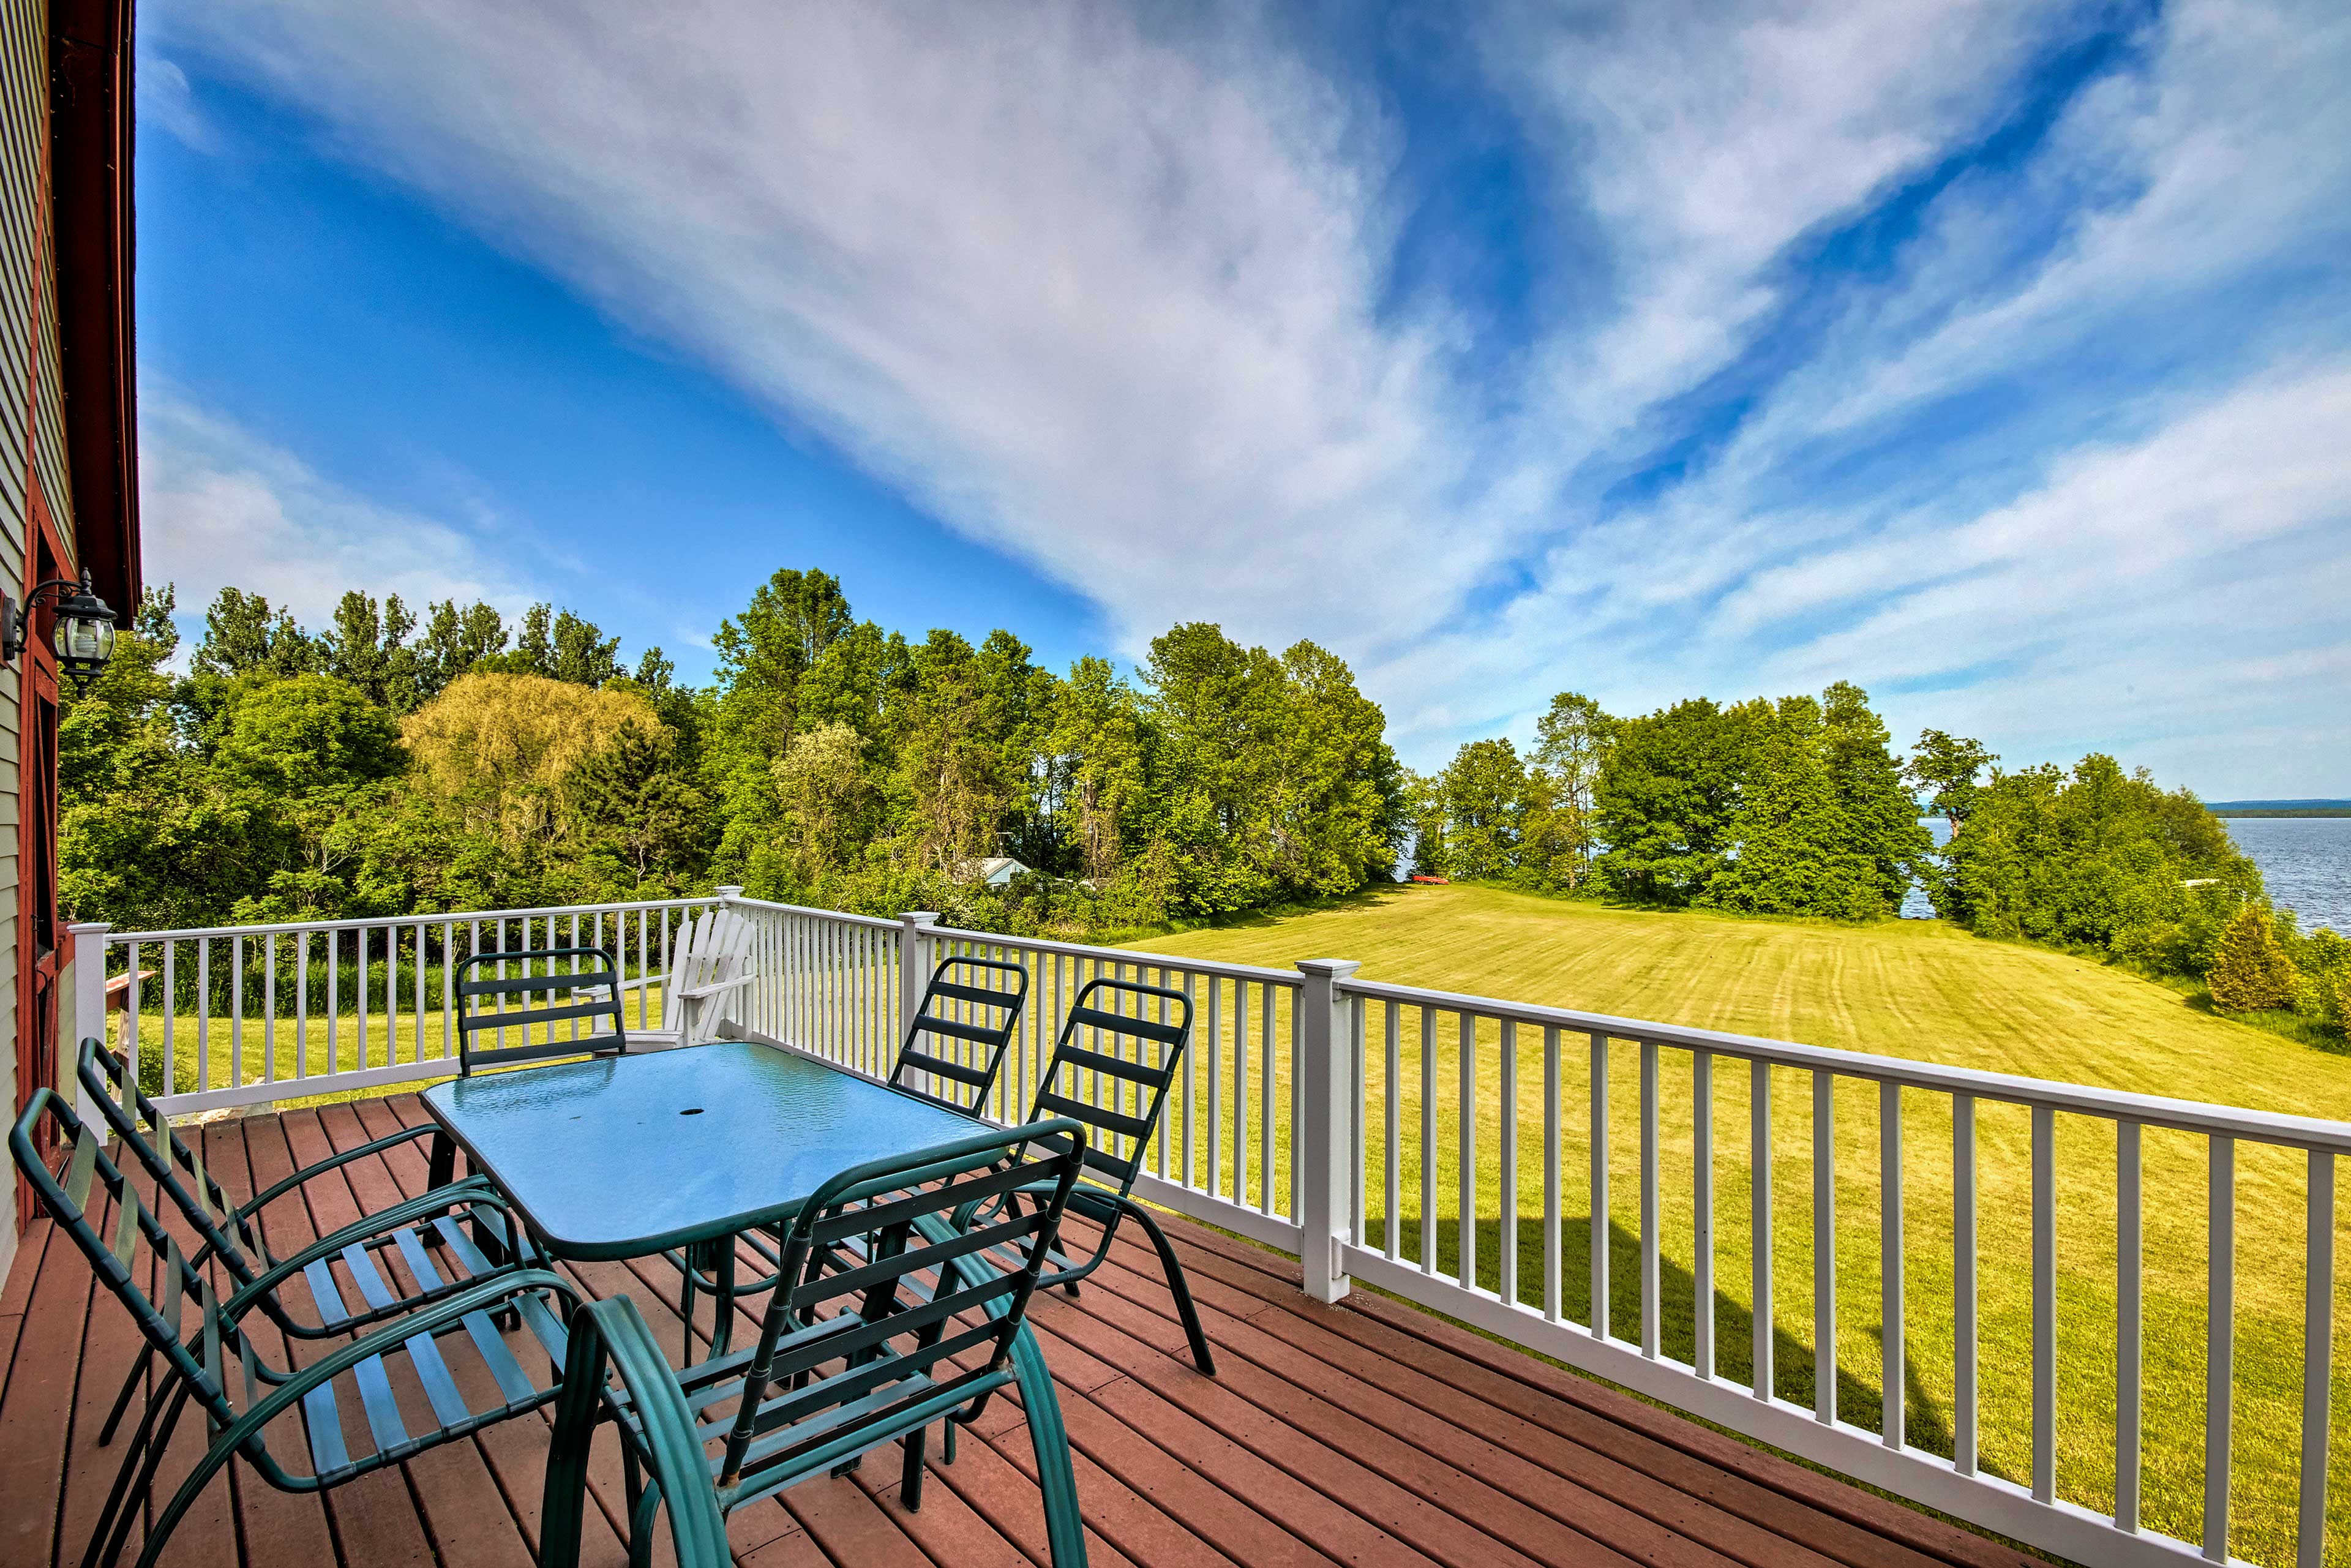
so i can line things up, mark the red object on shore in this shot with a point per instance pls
(1440, 880)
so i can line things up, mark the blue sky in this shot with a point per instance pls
(1995, 356)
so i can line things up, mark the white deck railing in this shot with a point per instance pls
(1341, 1120)
(251, 1015)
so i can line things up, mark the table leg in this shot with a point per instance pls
(721, 1332)
(440, 1170)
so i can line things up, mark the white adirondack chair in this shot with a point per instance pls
(709, 965)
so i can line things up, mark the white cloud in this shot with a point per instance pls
(220, 507)
(1110, 288)
(1100, 293)
(165, 99)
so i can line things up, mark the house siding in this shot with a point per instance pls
(30, 439)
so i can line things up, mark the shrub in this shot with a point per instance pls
(2324, 994)
(2251, 969)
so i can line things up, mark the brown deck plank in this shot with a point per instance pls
(110, 1345)
(748, 1529)
(38, 1404)
(16, 1292)
(281, 1529)
(1769, 1491)
(465, 1511)
(1374, 1405)
(1456, 1514)
(375, 1518)
(1367, 1433)
(991, 1486)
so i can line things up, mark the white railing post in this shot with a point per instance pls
(90, 1016)
(1326, 1154)
(913, 977)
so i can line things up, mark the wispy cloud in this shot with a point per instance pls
(166, 99)
(220, 506)
(1969, 349)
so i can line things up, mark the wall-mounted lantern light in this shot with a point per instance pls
(83, 634)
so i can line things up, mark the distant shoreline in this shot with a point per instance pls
(2280, 810)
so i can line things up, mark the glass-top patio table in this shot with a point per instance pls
(628, 1155)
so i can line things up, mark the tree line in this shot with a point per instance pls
(1802, 806)
(394, 761)
(398, 761)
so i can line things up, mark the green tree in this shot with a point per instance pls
(955, 791)
(2251, 972)
(367, 648)
(1663, 799)
(1093, 767)
(2096, 857)
(829, 800)
(1946, 768)
(763, 653)
(1218, 710)
(306, 760)
(1797, 850)
(1425, 797)
(1336, 801)
(1879, 816)
(144, 837)
(453, 641)
(637, 817)
(560, 646)
(1571, 738)
(1485, 810)
(243, 635)
(496, 749)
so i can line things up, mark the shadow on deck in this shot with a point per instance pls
(1368, 1433)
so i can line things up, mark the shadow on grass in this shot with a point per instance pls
(1794, 1370)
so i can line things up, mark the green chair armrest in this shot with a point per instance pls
(611, 1335)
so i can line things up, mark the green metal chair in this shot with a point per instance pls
(977, 1079)
(141, 1263)
(709, 1268)
(474, 1019)
(846, 1361)
(1118, 1093)
(229, 1231)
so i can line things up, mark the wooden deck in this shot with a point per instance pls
(1367, 1434)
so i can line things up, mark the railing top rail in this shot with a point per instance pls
(841, 916)
(2113, 1104)
(429, 917)
(1145, 956)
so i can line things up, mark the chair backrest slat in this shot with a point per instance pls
(955, 980)
(854, 1339)
(1062, 1090)
(591, 970)
(137, 1248)
(176, 1164)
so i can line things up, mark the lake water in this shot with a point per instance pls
(2305, 864)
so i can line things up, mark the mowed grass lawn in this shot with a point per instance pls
(1916, 989)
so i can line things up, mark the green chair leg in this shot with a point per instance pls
(641, 1526)
(182, 1500)
(1065, 1529)
(122, 1400)
(1177, 1286)
(146, 1454)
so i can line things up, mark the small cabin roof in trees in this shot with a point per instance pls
(995, 870)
